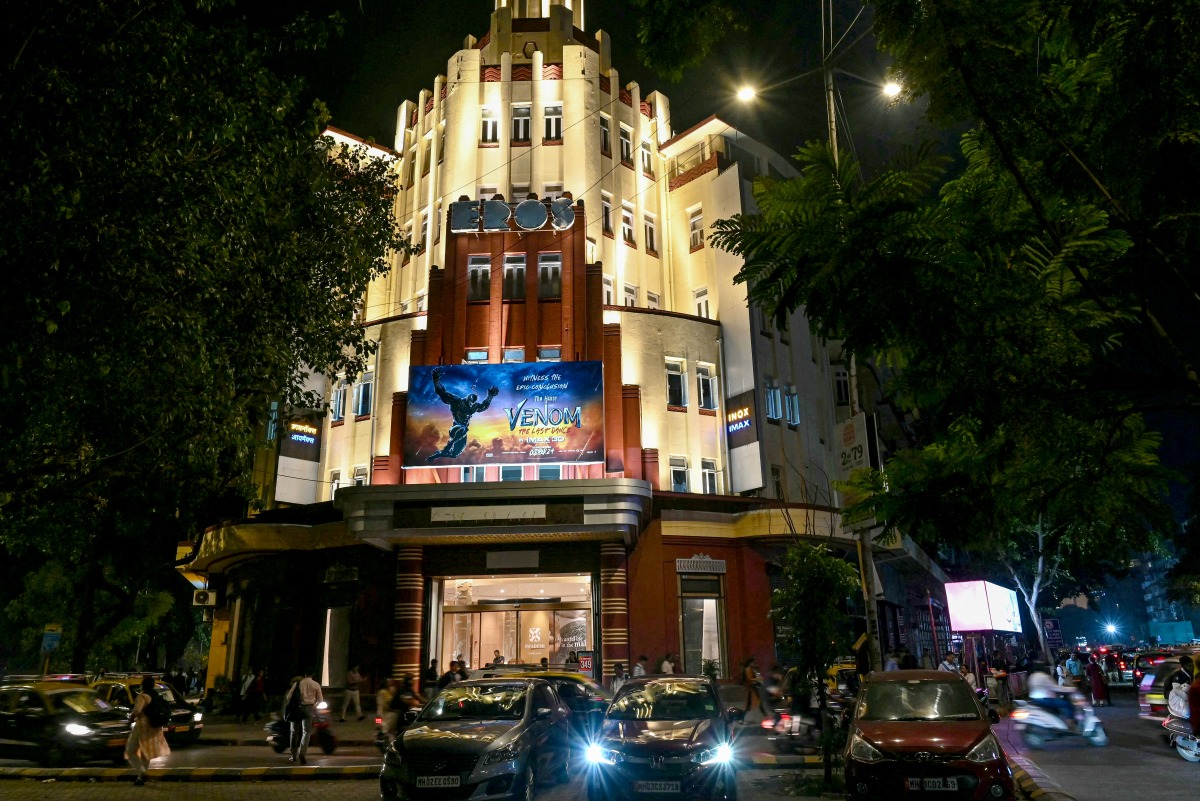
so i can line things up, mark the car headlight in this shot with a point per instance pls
(862, 750)
(322, 705)
(721, 755)
(197, 717)
(597, 755)
(988, 750)
(508, 753)
(76, 729)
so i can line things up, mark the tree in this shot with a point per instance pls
(183, 249)
(812, 606)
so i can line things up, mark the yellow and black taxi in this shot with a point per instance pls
(586, 699)
(60, 723)
(121, 690)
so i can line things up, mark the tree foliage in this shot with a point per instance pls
(182, 249)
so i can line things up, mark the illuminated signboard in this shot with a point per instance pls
(982, 606)
(740, 426)
(301, 440)
(473, 216)
(521, 413)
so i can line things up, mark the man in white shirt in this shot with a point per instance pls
(668, 665)
(950, 663)
(640, 668)
(619, 678)
(353, 682)
(310, 696)
(1044, 692)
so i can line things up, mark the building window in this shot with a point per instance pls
(491, 128)
(701, 298)
(476, 356)
(606, 213)
(651, 300)
(472, 475)
(651, 239)
(702, 619)
(360, 476)
(676, 384)
(520, 192)
(479, 278)
(514, 277)
(774, 400)
(631, 293)
(510, 472)
(605, 135)
(487, 192)
(647, 160)
(626, 145)
(706, 387)
(337, 401)
(514, 355)
(335, 482)
(679, 481)
(407, 238)
(550, 275)
(424, 242)
(553, 192)
(549, 354)
(841, 385)
(696, 228)
(627, 225)
(709, 477)
(791, 406)
(520, 123)
(549, 472)
(553, 120)
(608, 291)
(777, 482)
(422, 300)
(362, 394)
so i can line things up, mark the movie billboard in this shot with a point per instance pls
(982, 606)
(464, 415)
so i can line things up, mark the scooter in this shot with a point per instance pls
(279, 732)
(1038, 724)
(1179, 733)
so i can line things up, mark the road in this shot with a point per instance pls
(1135, 762)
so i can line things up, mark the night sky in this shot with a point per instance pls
(391, 50)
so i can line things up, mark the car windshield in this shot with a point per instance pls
(78, 700)
(665, 700)
(166, 692)
(918, 700)
(477, 702)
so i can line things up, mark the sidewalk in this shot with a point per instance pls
(226, 730)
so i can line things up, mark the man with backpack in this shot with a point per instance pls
(299, 709)
(146, 742)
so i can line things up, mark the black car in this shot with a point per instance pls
(60, 724)
(666, 737)
(481, 739)
(121, 690)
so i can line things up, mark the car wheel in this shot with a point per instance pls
(327, 741)
(594, 793)
(729, 787)
(1098, 736)
(784, 745)
(57, 756)
(523, 790)
(1034, 739)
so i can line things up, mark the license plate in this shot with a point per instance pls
(656, 787)
(933, 784)
(438, 781)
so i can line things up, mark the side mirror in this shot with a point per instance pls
(736, 715)
(542, 713)
(410, 716)
(993, 716)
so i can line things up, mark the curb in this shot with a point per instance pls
(226, 741)
(289, 773)
(1034, 783)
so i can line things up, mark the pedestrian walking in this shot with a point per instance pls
(640, 669)
(449, 677)
(752, 681)
(667, 666)
(431, 675)
(309, 692)
(254, 695)
(353, 686)
(146, 742)
(891, 663)
(950, 663)
(1096, 682)
(619, 678)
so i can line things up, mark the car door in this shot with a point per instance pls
(542, 728)
(32, 731)
(8, 722)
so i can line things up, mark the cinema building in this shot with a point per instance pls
(576, 433)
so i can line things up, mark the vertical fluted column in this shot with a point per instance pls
(614, 608)
(410, 608)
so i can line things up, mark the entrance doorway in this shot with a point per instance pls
(525, 617)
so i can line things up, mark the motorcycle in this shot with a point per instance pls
(1038, 724)
(1179, 733)
(792, 730)
(279, 731)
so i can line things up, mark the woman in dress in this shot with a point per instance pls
(146, 742)
(1095, 676)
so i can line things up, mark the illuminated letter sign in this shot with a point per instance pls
(520, 413)
(464, 217)
(531, 214)
(562, 216)
(495, 215)
(740, 428)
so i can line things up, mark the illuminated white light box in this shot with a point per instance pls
(982, 606)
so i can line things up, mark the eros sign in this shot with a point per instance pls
(489, 216)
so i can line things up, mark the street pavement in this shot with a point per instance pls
(1135, 763)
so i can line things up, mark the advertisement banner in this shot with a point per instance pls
(520, 413)
(535, 636)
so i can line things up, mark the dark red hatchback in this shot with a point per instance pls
(922, 734)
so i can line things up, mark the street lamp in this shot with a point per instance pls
(1110, 628)
(746, 94)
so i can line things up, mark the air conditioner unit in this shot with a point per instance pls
(204, 598)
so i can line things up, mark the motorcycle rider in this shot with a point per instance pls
(1046, 693)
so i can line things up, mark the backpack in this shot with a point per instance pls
(158, 711)
(293, 712)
